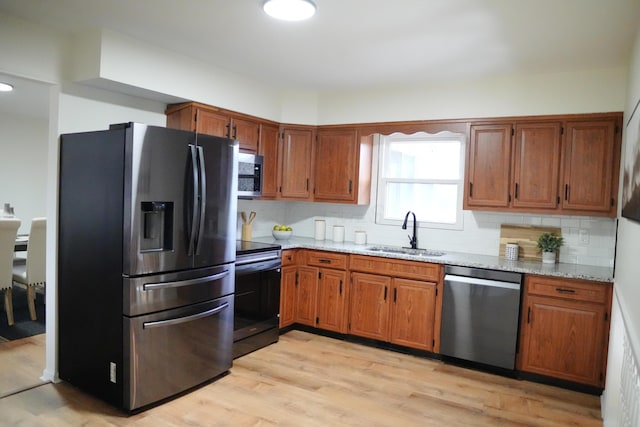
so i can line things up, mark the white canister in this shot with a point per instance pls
(511, 251)
(321, 228)
(338, 233)
(360, 238)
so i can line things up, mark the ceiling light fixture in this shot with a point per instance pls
(5, 87)
(290, 10)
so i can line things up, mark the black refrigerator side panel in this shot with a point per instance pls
(90, 262)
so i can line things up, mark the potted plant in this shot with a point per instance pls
(549, 244)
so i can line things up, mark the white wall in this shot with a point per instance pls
(588, 91)
(626, 323)
(23, 166)
(30, 50)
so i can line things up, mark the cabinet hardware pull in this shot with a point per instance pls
(324, 261)
(350, 186)
(529, 315)
(558, 201)
(385, 293)
(566, 291)
(566, 191)
(289, 257)
(235, 131)
(228, 126)
(516, 192)
(307, 184)
(471, 189)
(395, 295)
(340, 287)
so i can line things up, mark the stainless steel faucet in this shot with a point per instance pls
(413, 241)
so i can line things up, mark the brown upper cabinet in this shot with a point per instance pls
(591, 166)
(213, 121)
(488, 166)
(558, 166)
(295, 163)
(268, 149)
(342, 166)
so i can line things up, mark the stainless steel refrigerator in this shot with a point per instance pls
(146, 253)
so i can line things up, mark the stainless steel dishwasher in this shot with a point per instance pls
(480, 314)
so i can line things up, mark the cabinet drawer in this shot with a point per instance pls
(327, 259)
(396, 268)
(577, 290)
(289, 257)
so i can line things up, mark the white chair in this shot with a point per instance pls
(8, 232)
(32, 275)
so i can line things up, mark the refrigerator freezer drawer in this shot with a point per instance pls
(174, 350)
(158, 292)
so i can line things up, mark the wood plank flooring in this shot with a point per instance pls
(21, 363)
(309, 380)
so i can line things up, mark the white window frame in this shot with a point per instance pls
(382, 181)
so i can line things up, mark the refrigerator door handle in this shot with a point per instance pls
(203, 197)
(180, 283)
(194, 206)
(178, 320)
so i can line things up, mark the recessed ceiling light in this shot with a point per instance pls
(290, 10)
(5, 87)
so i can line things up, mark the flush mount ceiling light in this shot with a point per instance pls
(290, 10)
(5, 87)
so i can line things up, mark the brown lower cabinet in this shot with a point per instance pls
(400, 311)
(315, 296)
(565, 329)
(395, 301)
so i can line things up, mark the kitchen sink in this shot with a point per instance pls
(405, 251)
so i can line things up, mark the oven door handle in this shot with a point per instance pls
(178, 320)
(180, 283)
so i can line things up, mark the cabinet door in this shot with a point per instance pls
(564, 339)
(536, 165)
(332, 291)
(336, 165)
(247, 133)
(212, 123)
(287, 295)
(588, 166)
(369, 314)
(295, 164)
(268, 149)
(488, 166)
(306, 291)
(413, 313)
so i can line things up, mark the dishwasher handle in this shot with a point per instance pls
(481, 282)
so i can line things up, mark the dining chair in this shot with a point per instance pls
(32, 274)
(8, 232)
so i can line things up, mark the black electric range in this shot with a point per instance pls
(257, 296)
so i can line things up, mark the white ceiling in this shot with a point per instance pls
(362, 44)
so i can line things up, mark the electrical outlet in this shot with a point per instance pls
(112, 372)
(583, 236)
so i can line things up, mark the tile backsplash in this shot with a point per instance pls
(588, 240)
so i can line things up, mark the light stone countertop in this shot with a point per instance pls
(571, 271)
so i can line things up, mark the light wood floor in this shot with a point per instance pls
(21, 363)
(308, 380)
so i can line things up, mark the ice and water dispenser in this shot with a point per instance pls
(156, 227)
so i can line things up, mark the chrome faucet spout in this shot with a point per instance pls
(413, 240)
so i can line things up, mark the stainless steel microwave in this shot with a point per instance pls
(249, 176)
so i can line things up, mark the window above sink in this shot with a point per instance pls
(423, 173)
